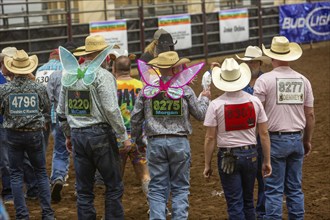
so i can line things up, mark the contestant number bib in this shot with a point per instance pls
(43, 76)
(79, 103)
(23, 104)
(290, 91)
(163, 106)
(240, 116)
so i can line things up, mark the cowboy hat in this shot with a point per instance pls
(254, 53)
(7, 51)
(21, 63)
(93, 43)
(168, 59)
(282, 49)
(231, 77)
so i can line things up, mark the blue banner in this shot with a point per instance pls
(307, 22)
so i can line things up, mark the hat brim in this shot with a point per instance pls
(263, 59)
(81, 51)
(294, 54)
(154, 62)
(232, 86)
(8, 61)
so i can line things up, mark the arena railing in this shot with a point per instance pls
(45, 24)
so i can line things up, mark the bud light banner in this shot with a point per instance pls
(304, 23)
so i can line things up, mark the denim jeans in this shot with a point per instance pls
(61, 157)
(238, 187)
(4, 166)
(287, 154)
(96, 148)
(169, 161)
(32, 144)
(260, 207)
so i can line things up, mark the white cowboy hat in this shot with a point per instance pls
(21, 63)
(7, 51)
(254, 53)
(282, 49)
(168, 59)
(93, 43)
(231, 77)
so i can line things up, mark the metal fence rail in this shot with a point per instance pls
(59, 21)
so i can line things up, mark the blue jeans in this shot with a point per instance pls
(96, 148)
(238, 187)
(287, 154)
(32, 144)
(29, 176)
(260, 207)
(169, 161)
(61, 157)
(4, 166)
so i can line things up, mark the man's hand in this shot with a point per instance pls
(126, 146)
(308, 148)
(266, 170)
(207, 172)
(68, 144)
(206, 93)
(213, 64)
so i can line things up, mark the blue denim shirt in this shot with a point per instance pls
(51, 65)
(249, 89)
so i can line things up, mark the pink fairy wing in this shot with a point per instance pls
(184, 77)
(150, 91)
(148, 74)
(175, 93)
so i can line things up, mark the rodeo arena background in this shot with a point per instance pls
(165, 109)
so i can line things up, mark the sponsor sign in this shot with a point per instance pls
(114, 32)
(179, 26)
(234, 25)
(305, 22)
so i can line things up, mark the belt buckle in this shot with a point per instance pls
(246, 147)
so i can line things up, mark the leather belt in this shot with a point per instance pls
(284, 132)
(167, 136)
(102, 125)
(247, 147)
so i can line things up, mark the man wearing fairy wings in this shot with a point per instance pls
(90, 116)
(165, 105)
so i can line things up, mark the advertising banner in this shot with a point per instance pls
(307, 22)
(234, 25)
(179, 26)
(113, 32)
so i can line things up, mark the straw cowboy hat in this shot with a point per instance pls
(254, 53)
(168, 59)
(21, 63)
(7, 51)
(231, 77)
(282, 49)
(93, 43)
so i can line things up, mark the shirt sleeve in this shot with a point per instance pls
(60, 110)
(309, 97)
(260, 89)
(197, 108)
(210, 118)
(262, 117)
(46, 106)
(137, 118)
(107, 91)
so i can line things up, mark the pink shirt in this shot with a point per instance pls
(284, 93)
(215, 118)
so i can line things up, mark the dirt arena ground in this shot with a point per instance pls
(206, 199)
